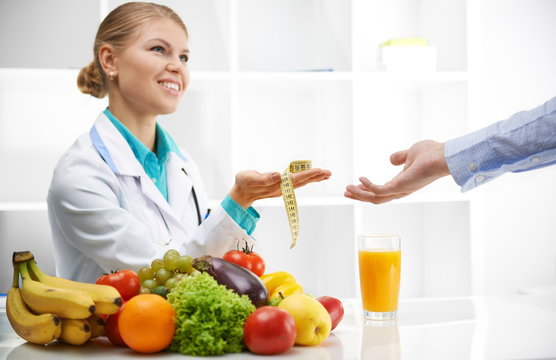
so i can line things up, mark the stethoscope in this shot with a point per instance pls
(170, 236)
(195, 199)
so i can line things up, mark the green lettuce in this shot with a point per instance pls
(209, 317)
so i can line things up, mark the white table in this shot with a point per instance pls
(513, 327)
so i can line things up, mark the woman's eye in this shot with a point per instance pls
(158, 49)
(184, 58)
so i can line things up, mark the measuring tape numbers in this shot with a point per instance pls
(288, 195)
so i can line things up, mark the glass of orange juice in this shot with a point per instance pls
(379, 275)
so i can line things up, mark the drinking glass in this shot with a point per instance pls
(379, 275)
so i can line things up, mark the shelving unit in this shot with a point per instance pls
(272, 82)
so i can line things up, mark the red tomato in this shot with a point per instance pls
(125, 281)
(246, 258)
(269, 330)
(334, 308)
(111, 330)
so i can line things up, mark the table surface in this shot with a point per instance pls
(510, 327)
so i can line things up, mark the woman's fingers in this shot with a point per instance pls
(305, 177)
(259, 186)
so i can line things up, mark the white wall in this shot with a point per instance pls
(519, 73)
(511, 229)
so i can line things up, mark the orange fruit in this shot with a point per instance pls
(146, 323)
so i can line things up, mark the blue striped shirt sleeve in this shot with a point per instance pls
(525, 141)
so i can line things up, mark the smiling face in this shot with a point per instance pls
(152, 71)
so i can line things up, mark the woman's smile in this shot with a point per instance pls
(171, 87)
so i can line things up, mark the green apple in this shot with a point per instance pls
(311, 318)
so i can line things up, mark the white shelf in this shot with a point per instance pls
(306, 201)
(70, 23)
(294, 35)
(416, 198)
(257, 101)
(23, 206)
(70, 75)
(295, 75)
(436, 76)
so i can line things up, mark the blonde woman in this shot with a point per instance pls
(124, 193)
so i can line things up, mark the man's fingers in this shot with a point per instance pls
(384, 199)
(398, 158)
(357, 193)
(378, 190)
(366, 182)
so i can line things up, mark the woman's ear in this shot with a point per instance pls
(108, 61)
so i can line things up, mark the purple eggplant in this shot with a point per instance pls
(234, 277)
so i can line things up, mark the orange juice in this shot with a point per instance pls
(379, 272)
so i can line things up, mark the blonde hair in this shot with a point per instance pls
(116, 30)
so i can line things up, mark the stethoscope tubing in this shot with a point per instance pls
(199, 219)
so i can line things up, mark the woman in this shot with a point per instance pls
(123, 194)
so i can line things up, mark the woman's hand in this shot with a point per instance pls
(251, 185)
(424, 163)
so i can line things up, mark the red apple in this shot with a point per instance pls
(334, 308)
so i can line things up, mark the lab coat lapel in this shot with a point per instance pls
(113, 148)
(179, 184)
(118, 155)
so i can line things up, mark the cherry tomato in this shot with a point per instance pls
(246, 258)
(334, 308)
(111, 330)
(125, 281)
(269, 330)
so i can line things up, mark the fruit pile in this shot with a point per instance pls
(203, 306)
(46, 307)
(297, 318)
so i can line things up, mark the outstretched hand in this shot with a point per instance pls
(424, 162)
(251, 185)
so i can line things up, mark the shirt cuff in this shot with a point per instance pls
(246, 219)
(471, 160)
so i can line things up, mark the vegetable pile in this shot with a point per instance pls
(221, 305)
(210, 318)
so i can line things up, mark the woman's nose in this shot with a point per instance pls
(175, 65)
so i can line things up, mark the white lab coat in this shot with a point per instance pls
(106, 213)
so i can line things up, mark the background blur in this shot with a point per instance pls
(276, 81)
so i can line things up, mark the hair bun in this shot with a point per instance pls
(90, 81)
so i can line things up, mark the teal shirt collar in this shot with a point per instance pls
(165, 144)
(153, 165)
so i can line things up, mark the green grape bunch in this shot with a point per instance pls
(166, 272)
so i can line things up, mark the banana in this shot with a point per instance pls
(21, 256)
(66, 303)
(37, 329)
(97, 324)
(75, 331)
(106, 298)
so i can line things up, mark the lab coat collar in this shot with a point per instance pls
(117, 154)
(114, 149)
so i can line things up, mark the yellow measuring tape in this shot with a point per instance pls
(289, 195)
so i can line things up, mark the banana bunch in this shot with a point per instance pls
(47, 307)
(281, 284)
